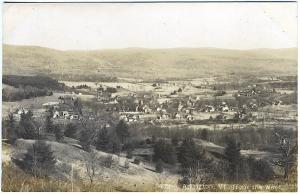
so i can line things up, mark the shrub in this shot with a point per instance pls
(137, 161)
(108, 161)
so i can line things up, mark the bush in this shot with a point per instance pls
(108, 161)
(137, 161)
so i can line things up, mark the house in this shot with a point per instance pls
(163, 116)
(180, 106)
(65, 114)
(208, 108)
(22, 111)
(146, 109)
(223, 107)
(277, 102)
(74, 117)
(51, 104)
(221, 117)
(129, 116)
(177, 116)
(56, 114)
(189, 117)
(19, 112)
(103, 95)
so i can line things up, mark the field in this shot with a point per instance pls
(36, 103)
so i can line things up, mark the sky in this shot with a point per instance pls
(160, 25)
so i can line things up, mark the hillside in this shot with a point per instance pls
(147, 63)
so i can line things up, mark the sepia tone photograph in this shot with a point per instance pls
(149, 97)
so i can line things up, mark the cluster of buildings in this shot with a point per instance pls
(223, 107)
(254, 90)
(132, 106)
(67, 107)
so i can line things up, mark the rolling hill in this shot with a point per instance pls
(147, 63)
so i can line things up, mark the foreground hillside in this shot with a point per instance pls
(147, 63)
(136, 178)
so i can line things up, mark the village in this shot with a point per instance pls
(178, 102)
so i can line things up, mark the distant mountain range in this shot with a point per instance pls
(148, 63)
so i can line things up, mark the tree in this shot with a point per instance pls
(233, 156)
(91, 165)
(77, 106)
(187, 153)
(287, 149)
(260, 170)
(164, 151)
(9, 129)
(204, 135)
(195, 165)
(71, 130)
(159, 166)
(59, 135)
(87, 134)
(122, 131)
(175, 141)
(48, 121)
(27, 128)
(11, 120)
(39, 159)
(102, 139)
(116, 146)
(85, 140)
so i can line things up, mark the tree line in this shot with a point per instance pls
(196, 164)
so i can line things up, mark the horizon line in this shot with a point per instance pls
(152, 48)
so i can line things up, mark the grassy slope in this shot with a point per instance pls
(149, 63)
(14, 179)
(66, 153)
